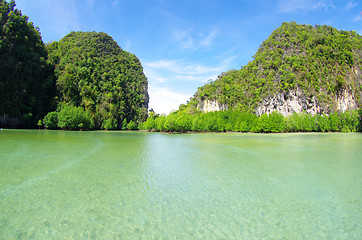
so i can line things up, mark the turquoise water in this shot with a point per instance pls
(136, 185)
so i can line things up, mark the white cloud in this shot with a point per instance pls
(165, 75)
(161, 64)
(184, 38)
(164, 100)
(358, 17)
(350, 5)
(153, 75)
(209, 38)
(286, 6)
(179, 35)
(127, 45)
(115, 3)
(179, 68)
(190, 39)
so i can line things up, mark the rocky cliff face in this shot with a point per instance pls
(297, 102)
(211, 105)
(346, 101)
(289, 103)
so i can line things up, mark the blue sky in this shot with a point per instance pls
(182, 44)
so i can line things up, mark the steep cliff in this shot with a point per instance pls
(299, 68)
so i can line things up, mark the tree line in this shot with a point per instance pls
(238, 121)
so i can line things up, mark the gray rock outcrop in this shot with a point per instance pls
(211, 105)
(296, 102)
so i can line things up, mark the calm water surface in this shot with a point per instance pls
(134, 185)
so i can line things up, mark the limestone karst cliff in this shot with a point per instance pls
(299, 68)
(93, 73)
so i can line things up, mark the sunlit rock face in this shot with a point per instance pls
(292, 102)
(211, 105)
(297, 101)
(346, 101)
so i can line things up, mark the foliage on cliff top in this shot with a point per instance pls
(26, 80)
(321, 61)
(94, 73)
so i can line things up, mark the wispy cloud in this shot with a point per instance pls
(194, 40)
(358, 17)
(286, 6)
(178, 67)
(115, 3)
(209, 38)
(127, 45)
(350, 5)
(154, 75)
(184, 38)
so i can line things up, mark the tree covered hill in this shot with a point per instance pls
(314, 68)
(86, 77)
(94, 73)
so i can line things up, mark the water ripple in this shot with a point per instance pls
(44, 176)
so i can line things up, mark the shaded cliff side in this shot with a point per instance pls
(26, 79)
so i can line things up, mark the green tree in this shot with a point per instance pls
(51, 120)
(26, 79)
(124, 124)
(73, 118)
(132, 125)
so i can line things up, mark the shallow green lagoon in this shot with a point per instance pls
(135, 185)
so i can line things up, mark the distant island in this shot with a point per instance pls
(302, 78)
(84, 81)
(99, 85)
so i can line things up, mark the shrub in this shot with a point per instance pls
(51, 120)
(73, 118)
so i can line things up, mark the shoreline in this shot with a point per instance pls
(168, 132)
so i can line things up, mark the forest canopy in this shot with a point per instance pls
(26, 78)
(94, 73)
(85, 73)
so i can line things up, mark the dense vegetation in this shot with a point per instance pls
(320, 61)
(86, 81)
(95, 74)
(237, 121)
(26, 79)
(86, 77)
